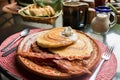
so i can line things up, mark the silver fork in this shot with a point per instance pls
(106, 56)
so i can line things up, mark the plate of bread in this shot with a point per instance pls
(58, 53)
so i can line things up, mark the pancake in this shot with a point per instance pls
(82, 48)
(53, 38)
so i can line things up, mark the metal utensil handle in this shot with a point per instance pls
(9, 51)
(11, 43)
(97, 70)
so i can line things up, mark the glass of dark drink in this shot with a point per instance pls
(75, 14)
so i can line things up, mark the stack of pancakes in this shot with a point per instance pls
(74, 46)
(58, 52)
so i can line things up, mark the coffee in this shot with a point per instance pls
(75, 14)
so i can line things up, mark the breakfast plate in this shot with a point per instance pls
(25, 52)
(21, 69)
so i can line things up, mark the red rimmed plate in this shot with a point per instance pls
(9, 64)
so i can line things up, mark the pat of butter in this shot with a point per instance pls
(68, 32)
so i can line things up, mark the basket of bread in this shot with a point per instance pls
(40, 13)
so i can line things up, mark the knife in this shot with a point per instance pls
(9, 51)
(8, 74)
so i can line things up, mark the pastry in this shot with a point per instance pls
(36, 10)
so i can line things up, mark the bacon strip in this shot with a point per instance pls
(68, 67)
(55, 61)
(39, 56)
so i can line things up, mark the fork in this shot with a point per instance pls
(106, 56)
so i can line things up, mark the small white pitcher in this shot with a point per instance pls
(101, 23)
